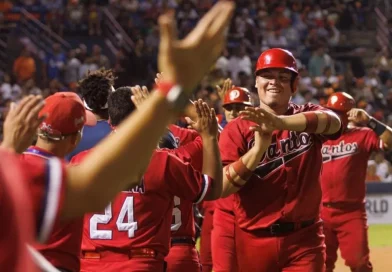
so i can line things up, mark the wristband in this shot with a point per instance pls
(230, 179)
(376, 126)
(311, 122)
(242, 171)
(174, 94)
(328, 125)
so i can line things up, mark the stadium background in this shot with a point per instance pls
(46, 46)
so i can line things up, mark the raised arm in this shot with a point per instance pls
(117, 161)
(383, 131)
(318, 122)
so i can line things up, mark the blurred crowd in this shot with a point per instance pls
(312, 30)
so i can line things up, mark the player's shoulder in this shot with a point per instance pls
(163, 156)
(295, 108)
(78, 158)
(238, 124)
(361, 130)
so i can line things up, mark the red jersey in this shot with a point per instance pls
(225, 204)
(345, 163)
(31, 195)
(141, 217)
(190, 150)
(183, 135)
(62, 249)
(285, 185)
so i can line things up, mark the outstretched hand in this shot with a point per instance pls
(21, 124)
(266, 121)
(206, 123)
(227, 85)
(139, 95)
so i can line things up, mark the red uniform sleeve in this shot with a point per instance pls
(47, 187)
(372, 141)
(192, 153)
(77, 159)
(323, 137)
(232, 143)
(183, 135)
(179, 177)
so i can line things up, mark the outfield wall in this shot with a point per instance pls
(379, 203)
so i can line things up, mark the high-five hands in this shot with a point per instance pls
(206, 123)
(21, 124)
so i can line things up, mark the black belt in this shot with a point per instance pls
(280, 228)
(183, 240)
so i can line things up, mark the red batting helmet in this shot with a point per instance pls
(237, 95)
(277, 58)
(340, 101)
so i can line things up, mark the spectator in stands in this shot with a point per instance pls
(94, 19)
(30, 88)
(75, 14)
(238, 62)
(54, 63)
(100, 59)
(319, 60)
(371, 175)
(72, 68)
(277, 39)
(9, 89)
(382, 165)
(24, 67)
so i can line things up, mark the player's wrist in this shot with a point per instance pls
(376, 126)
(174, 94)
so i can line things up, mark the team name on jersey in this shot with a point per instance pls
(138, 189)
(282, 151)
(285, 146)
(339, 151)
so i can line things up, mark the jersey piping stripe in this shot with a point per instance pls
(204, 189)
(40, 261)
(52, 198)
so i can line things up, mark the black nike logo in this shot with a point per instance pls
(265, 169)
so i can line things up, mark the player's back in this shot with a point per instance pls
(140, 218)
(62, 248)
(183, 222)
(345, 163)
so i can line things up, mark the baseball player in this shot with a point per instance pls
(59, 134)
(133, 234)
(272, 158)
(343, 183)
(87, 186)
(217, 241)
(183, 255)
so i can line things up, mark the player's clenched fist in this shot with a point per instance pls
(358, 116)
(267, 122)
(207, 124)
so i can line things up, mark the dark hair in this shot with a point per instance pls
(95, 88)
(120, 105)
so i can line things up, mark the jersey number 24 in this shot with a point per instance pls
(125, 221)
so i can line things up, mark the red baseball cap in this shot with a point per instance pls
(65, 115)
